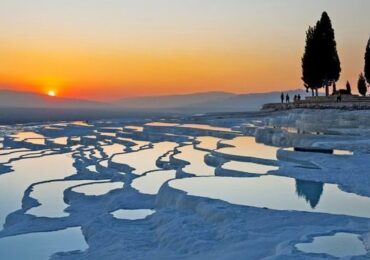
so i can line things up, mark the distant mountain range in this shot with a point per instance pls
(16, 106)
(19, 99)
(207, 101)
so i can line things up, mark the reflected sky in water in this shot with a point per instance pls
(27, 172)
(339, 245)
(249, 167)
(20, 136)
(51, 195)
(208, 142)
(247, 146)
(195, 157)
(276, 193)
(145, 160)
(132, 214)
(152, 181)
(40, 246)
(97, 189)
(206, 127)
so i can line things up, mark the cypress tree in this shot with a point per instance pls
(367, 62)
(310, 75)
(329, 65)
(361, 85)
(320, 61)
(348, 88)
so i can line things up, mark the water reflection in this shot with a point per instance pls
(275, 192)
(51, 197)
(152, 182)
(311, 191)
(132, 214)
(27, 172)
(39, 246)
(206, 127)
(207, 142)
(97, 189)
(195, 158)
(144, 160)
(339, 245)
(247, 146)
(248, 167)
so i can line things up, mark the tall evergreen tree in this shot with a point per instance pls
(320, 61)
(310, 76)
(367, 62)
(348, 88)
(329, 65)
(361, 85)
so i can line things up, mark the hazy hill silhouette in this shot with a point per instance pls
(16, 106)
(19, 99)
(173, 101)
(207, 101)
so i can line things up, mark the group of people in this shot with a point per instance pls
(296, 98)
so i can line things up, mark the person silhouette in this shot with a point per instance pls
(282, 98)
(299, 97)
(287, 98)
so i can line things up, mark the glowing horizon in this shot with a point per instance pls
(109, 49)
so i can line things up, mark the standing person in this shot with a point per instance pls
(282, 98)
(299, 97)
(287, 98)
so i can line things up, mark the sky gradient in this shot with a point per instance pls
(107, 49)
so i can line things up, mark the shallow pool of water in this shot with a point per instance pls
(12, 154)
(195, 157)
(338, 245)
(61, 140)
(280, 193)
(144, 160)
(248, 167)
(247, 146)
(51, 197)
(41, 245)
(112, 149)
(207, 142)
(21, 136)
(152, 182)
(132, 214)
(27, 172)
(342, 152)
(161, 124)
(37, 141)
(206, 127)
(135, 128)
(97, 189)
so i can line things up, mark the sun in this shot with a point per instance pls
(51, 93)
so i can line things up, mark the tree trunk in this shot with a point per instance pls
(327, 90)
(317, 92)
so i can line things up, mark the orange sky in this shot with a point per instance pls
(110, 49)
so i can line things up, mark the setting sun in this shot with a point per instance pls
(51, 93)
